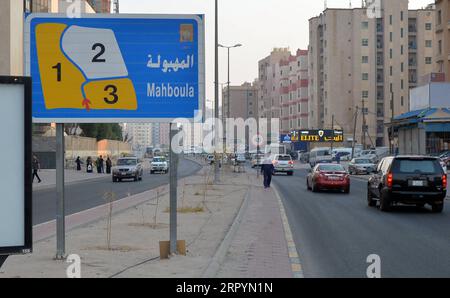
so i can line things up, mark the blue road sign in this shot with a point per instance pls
(115, 68)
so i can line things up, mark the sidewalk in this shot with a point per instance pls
(136, 230)
(48, 178)
(259, 248)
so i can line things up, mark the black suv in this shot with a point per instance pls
(412, 180)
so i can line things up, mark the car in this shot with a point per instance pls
(361, 166)
(283, 163)
(159, 165)
(370, 154)
(320, 155)
(127, 168)
(257, 160)
(411, 180)
(210, 158)
(329, 177)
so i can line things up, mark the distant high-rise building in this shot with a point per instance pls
(101, 6)
(140, 135)
(283, 89)
(359, 62)
(442, 52)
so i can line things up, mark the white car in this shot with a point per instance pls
(159, 165)
(283, 163)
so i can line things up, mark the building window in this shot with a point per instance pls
(390, 19)
(428, 43)
(365, 59)
(365, 42)
(428, 60)
(365, 25)
(365, 76)
(365, 94)
(428, 26)
(402, 101)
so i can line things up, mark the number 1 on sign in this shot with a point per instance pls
(58, 71)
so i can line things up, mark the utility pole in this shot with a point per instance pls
(391, 129)
(332, 127)
(354, 133)
(216, 100)
(364, 127)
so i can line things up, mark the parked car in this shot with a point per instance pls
(320, 155)
(411, 180)
(257, 160)
(328, 176)
(127, 168)
(361, 166)
(283, 163)
(159, 165)
(304, 157)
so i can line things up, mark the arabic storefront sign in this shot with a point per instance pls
(321, 136)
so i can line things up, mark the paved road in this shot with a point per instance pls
(335, 233)
(89, 194)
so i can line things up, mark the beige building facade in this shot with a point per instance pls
(283, 89)
(242, 101)
(360, 63)
(442, 50)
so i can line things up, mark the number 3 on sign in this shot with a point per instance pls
(114, 98)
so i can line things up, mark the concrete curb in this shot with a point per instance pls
(296, 266)
(219, 257)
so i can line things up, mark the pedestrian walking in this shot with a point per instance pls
(267, 169)
(97, 165)
(108, 165)
(36, 168)
(89, 166)
(78, 162)
(102, 165)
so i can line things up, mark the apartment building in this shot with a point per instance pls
(283, 89)
(242, 101)
(140, 134)
(442, 49)
(101, 6)
(362, 66)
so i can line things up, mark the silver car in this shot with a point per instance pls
(127, 168)
(361, 166)
(159, 165)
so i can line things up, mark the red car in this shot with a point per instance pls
(330, 177)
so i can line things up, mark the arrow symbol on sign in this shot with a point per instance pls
(87, 103)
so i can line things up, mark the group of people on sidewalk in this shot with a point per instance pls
(99, 164)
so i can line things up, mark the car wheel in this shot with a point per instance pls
(385, 203)
(437, 208)
(314, 188)
(347, 190)
(151, 172)
(370, 201)
(307, 185)
(120, 179)
(290, 173)
(114, 180)
(136, 178)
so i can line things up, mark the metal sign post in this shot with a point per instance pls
(60, 202)
(173, 191)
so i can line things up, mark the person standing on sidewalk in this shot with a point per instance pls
(267, 169)
(36, 168)
(108, 165)
(78, 162)
(89, 168)
(102, 165)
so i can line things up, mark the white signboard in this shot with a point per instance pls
(15, 158)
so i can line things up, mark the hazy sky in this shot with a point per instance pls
(260, 25)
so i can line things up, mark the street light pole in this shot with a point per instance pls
(216, 99)
(228, 90)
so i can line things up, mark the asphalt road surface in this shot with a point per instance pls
(335, 233)
(89, 194)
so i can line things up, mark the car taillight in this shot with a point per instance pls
(291, 162)
(390, 180)
(444, 181)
